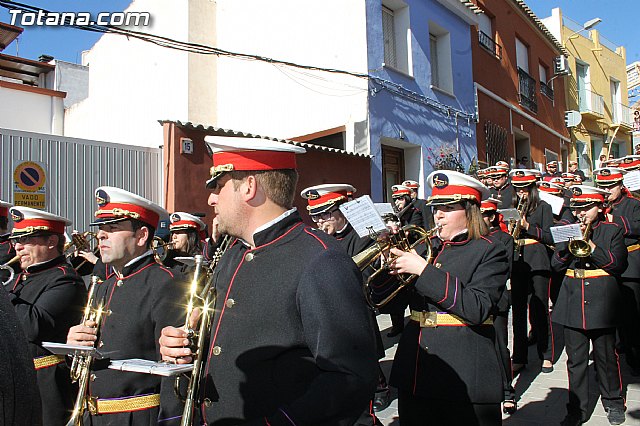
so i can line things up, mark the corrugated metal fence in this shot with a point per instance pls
(75, 167)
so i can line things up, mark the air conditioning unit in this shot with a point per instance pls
(561, 65)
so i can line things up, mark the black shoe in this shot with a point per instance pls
(509, 406)
(546, 369)
(395, 331)
(572, 419)
(615, 415)
(381, 400)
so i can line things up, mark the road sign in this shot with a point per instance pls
(29, 184)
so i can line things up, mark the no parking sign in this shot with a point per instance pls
(29, 185)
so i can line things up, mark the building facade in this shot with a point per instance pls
(521, 103)
(597, 88)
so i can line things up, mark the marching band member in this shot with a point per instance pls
(589, 304)
(420, 204)
(141, 297)
(573, 168)
(291, 339)
(491, 217)
(48, 296)
(187, 236)
(408, 213)
(551, 170)
(447, 349)
(531, 273)
(502, 188)
(624, 210)
(7, 252)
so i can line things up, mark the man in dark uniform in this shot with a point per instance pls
(7, 252)
(48, 296)
(551, 170)
(573, 168)
(292, 339)
(20, 403)
(420, 204)
(624, 210)
(502, 188)
(141, 297)
(589, 305)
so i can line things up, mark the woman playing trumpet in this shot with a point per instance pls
(447, 348)
(588, 304)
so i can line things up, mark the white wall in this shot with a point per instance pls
(73, 79)
(31, 112)
(133, 84)
(329, 34)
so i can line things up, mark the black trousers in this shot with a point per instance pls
(607, 368)
(630, 328)
(500, 324)
(417, 411)
(535, 284)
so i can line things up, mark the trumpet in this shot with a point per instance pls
(160, 249)
(368, 257)
(516, 225)
(581, 248)
(81, 363)
(9, 269)
(207, 296)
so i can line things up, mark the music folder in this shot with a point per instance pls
(64, 349)
(158, 368)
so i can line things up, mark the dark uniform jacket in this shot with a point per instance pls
(455, 363)
(351, 241)
(48, 299)
(498, 235)
(626, 214)
(291, 338)
(411, 215)
(535, 255)
(142, 302)
(506, 195)
(589, 303)
(425, 211)
(7, 252)
(20, 402)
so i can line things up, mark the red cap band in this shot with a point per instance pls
(588, 198)
(523, 179)
(453, 190)
(129, 211)
(327, 198)
(487, 205)
(401, 192)
(256, 160)
(185, 223)
(47, 225)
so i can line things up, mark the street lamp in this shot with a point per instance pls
(585, 27)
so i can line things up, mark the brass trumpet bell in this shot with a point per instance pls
(581, 248)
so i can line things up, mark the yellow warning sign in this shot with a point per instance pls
(29, 199)
(29, 176)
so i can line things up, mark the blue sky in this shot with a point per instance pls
(619, 25)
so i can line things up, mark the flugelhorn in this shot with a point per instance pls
(7, 267)
(80, 241)
(516, 226)
(581, 248)
(160, 249)
(368, 258)
(81, 363)
(202, 291)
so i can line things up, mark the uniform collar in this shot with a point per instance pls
(276, 228)
(39, 267)
(134, 264)
(344, 231)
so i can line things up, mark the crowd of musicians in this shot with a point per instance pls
(292, 337)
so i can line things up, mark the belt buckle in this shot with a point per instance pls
(92, 405)
(578, 273)
(428, 319)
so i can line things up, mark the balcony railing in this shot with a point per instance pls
(527, 90)
(490, 44)
(622, 115)
(591, 103)
(546, 90)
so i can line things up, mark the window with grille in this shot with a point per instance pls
(388, 33)
(433, 45)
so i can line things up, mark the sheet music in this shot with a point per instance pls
(632, 180)
(509, 215)
(363, 216)
(384, 208)
(564, 233)
(64, 349)
(157, 368)
(554, 201)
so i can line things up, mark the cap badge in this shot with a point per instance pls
(312, 194)
(102, 198)
(175, 217)
(577, 191)
(519, 173)
(16, 215)
(605, 172)
(440, 180)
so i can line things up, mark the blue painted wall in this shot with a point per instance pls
(424, 124)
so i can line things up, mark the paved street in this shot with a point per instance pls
(541, 397)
